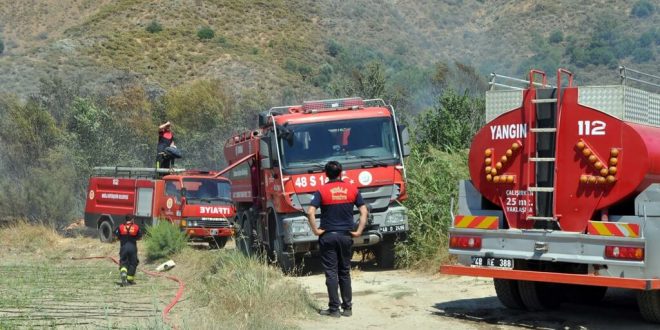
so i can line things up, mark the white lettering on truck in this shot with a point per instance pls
(512, 131)
(214, 210)
(114, 196)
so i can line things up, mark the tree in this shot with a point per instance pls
(642, 8)
(556, 37)
(2, 46)
(452, 123)
(154, 27)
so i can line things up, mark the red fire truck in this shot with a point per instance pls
(198, 202)
(564, 197)
(276, 168)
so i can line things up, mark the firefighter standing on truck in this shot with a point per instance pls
(336, 199)
(128, 233)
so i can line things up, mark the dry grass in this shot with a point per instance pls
(24, 237)
(238, 292)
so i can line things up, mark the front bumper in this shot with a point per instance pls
(207, 232)
(554, 246)
(297, 231)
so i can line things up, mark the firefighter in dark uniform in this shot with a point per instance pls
(165, 140)
(128, 234)
(336, 199)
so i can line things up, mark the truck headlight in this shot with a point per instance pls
(395, 218)
(299, 228)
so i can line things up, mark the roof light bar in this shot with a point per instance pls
(333, 104)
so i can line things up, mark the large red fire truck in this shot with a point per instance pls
(198, 202)
(276, 168)
(564, 196)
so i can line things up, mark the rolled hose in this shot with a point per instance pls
(174, 301)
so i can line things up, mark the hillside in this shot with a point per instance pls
(280, 47)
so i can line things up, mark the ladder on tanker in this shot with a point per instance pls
(135, 172)
(542, 121)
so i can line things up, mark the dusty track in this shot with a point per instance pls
(400, 299)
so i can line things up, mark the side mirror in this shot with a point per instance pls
(264, 153)
(405, 140)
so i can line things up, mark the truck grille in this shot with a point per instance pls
(219, 223)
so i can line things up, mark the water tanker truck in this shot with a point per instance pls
(564, 197)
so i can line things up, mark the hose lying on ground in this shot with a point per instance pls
(174, 301)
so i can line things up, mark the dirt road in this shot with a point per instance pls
(400, 299)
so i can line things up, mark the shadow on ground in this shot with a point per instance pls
(618, 310)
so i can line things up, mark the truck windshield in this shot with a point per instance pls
(212, 191)
(347, 141)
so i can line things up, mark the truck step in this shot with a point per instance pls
(542, 159)
(541, 189)
(543, 130)
(542, 218)
(544, 101)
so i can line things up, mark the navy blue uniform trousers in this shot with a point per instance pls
(336, 252)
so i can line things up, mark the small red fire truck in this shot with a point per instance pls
(198, 202)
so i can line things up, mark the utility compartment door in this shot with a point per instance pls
(144, 201)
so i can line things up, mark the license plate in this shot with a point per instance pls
(387, 229)
(214, 232)
(492, 262)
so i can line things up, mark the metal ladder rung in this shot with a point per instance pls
(543, 130)
(542, 218)
(541, 189)
(542, 159)
(544, 101)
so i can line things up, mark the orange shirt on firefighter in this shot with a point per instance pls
(128, 233)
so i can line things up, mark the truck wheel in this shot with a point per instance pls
(537, 296)
(649, 305)
(385, 256)
(244, 236)
(105, 231)
(218, 242)
(584, 294)
(508, 293)
(287, 260)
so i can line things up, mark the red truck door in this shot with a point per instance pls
(170, 202)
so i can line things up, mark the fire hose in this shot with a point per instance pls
(174, 301)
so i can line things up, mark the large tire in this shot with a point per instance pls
(649, 305)
(218, 242)
(584, 294)
(385, 255)
(285, 259)
(244, 235)
(105, 231)
(508, 293)
(538, 296)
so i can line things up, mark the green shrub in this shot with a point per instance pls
(642, 8)
(432, 185)
(163, 240)
(556, 37)
(205, 33)
(641, 55)
(2, 46)
(332, 48)
(451, 124)
(154, 27)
